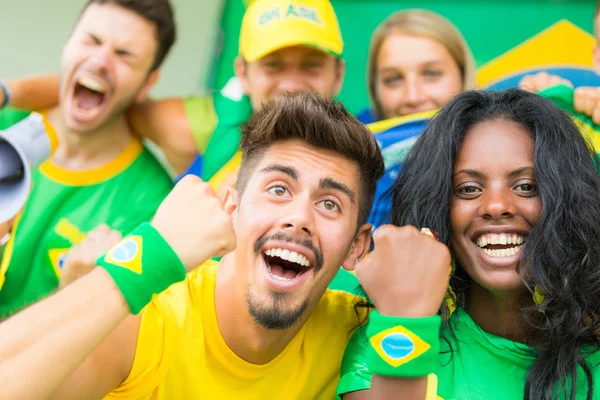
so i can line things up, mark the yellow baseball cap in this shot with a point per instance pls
(270, 25)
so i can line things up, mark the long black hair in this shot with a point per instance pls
(562, 252)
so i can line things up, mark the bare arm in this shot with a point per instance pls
(166, 124)
(33, 93)
(413, 286)
(391, 388)
(49, 340)
(68, 345)
(162, 121)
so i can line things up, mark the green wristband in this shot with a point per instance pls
(142, 265)
(403, 347)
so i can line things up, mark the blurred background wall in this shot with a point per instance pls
(32, 33)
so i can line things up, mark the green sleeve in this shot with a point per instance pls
(355, 374)
(345, 281)
(153, 184)
(562, 97)
(10, 116)
(202, 117)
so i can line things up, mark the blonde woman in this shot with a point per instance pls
(418, 60)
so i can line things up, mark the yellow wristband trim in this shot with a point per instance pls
(432, 385)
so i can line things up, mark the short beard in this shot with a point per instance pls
(274, 317)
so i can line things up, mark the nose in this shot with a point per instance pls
(101, 58)
(413, 91)
(497, 205)
(298, 219)
(292, 81)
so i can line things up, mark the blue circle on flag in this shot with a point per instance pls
(397, 345)
(61, 260)
(126, 251)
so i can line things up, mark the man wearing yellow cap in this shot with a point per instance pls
(285, 46)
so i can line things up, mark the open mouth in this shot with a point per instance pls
(285, 265)
(90, 94)
(501, 244)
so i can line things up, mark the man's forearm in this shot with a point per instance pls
(43, 344)
(33, 93)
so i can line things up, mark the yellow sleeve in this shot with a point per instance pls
(7, 251)
(202, 118)
(153, 355)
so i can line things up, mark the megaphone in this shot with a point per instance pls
(23, 147)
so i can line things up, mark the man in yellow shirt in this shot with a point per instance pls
(261, 322)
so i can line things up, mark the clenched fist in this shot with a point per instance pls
(541, 81)
(81, 259)
(5, 228)
(586, 100)
(407, 274)
(194, 223)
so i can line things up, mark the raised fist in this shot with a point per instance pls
(586, 101)
(541, 81)
(407, 274)
(81, 259)
(194, 223)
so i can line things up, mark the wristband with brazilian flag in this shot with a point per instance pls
(142, 264)
(403, 347)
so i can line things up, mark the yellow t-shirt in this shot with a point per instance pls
(182, 355)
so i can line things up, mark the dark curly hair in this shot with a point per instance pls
(562, 252)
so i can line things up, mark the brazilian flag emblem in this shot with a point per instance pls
(398, 345)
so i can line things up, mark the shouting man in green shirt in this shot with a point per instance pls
(100, 173)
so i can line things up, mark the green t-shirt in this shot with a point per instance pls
(63, 206)
(481, 365)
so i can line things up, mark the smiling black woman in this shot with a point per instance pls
(510, 185)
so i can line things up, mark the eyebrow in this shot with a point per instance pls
(95, 38)
(480, 175)
(119, 50)
(432, 63)
(329, 183)
(291, 172)
(325, 183)
(470, 172)
(520, 171)
(426, 64)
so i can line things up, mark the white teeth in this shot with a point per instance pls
(511, 251)
(502, 238)
(291, 256)
(91, 84)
